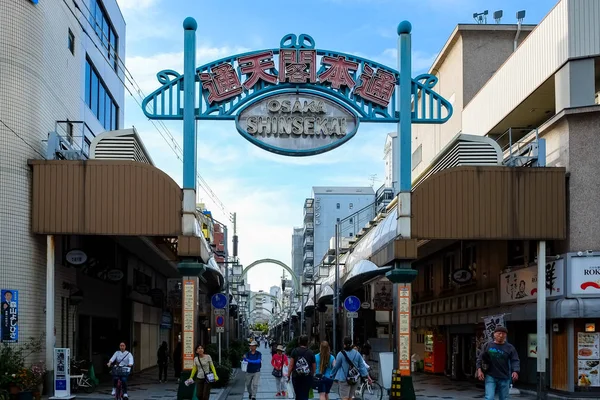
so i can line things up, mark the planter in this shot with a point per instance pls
(26, 395)
(13, 389)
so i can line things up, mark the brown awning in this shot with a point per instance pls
(491, 203)
(104, 197)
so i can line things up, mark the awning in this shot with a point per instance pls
(362, 271)
(325, 295)
(213, 273)
(309, 304)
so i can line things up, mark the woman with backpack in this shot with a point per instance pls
(348, 369)
(302, 368)
(324, 377)
(278, 361)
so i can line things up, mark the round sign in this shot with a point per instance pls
(76, 257)
(352, 303)
(297, 123)
(461, 276)
(365, 305)
(115, 275)
(219, 300)
(220, 320)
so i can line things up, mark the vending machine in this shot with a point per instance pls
(435, 353)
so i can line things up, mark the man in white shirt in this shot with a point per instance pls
(121, 358)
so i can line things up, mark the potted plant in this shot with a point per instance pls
(27, 383)
(38, 371)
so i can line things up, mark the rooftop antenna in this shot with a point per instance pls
(481, 18)
(373, 179)
(520, 18)
(498, 16)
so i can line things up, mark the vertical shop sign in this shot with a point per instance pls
(10, 316)
(491, 323)
(189, 316)
(588, 359)
(62, 373)
(404, 333)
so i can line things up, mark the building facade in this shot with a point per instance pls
(62, 72)
(298, 251)
(351, 207)
(544, 114)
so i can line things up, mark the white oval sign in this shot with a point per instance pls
(462, 276)
(115, 275)
(297, 123)
(366, 305)
(76, 257)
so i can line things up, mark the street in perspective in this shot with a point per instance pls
(318, 200)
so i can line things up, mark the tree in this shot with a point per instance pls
(261, 327)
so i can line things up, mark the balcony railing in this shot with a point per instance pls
(309, 213)
(309, 227)
(309, 255)
(309, 242)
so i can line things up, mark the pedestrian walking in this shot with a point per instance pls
(279, 361)
(254, 359)
(302, 368)
(366, 351)
(324, 378)
(498, 365)
(177, 360)
(162, 359)
(203, 373)
(348, 369)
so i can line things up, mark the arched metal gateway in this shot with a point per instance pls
(297, 100)
(297, 283)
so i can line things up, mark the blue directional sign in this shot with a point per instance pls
(219, 301)
(352, 303)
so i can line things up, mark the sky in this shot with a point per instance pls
(267, 191)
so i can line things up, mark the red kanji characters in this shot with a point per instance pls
(297, 66)
(222, 83)
(377, 88)
(338, 73)
(256, 67)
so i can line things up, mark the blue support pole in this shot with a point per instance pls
(189, 104)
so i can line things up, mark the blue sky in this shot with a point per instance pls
(267, 191)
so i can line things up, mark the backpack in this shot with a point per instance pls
(353, 375)
(301, 366)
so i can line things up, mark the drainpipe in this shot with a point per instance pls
(515, 43)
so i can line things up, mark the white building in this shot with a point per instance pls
(297, 251)
(61, 72)
(351, 207)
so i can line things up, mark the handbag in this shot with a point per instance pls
(278, 373)
(353, 375)
(208, 378)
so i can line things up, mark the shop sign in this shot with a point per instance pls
(382, 296)
(588, 359)
(189, 315)
(10, 316)
(404, 293)
(166, 321)
(76, 257)
(521, 285)
(365, 305)
(115, 275)
(491, 322)
(142, 288)
(297, 123)
(462, 276)
(584, 275)
(532, 345)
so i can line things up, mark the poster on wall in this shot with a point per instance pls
(9, 324)
(587, 374)
(532, 345)
(382, 296)
(490, 323)
(585, 275)
(521, 285)
(588, 346)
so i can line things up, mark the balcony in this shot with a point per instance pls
(309, 227)
(309, 242)
(309, 213)
(308, 256)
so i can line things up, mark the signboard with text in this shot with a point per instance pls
(521, 284)
(404, 293)
(584, 275)
(189, 319)
(9, 327)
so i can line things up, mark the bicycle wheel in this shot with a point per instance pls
(89, 386)
(372, 391)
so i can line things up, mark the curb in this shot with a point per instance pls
(225, 393)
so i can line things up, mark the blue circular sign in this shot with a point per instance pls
(219, 300)
(220, 320)
(352, 303)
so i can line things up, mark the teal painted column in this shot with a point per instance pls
(404, 100)
(189, 104)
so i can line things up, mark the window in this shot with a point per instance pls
(351, 221)
(417, 156)
(105, 30)
(71, 42)
(351, 234)
(448, 268)
(337, 206)
(70, 132)
(99, 99)
(351, 206)
(337, 220)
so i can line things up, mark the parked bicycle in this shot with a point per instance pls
(369, 389)
(80, 377)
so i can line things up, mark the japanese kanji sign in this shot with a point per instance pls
(10, 316)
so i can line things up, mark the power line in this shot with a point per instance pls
(163, 131)
(23, 140)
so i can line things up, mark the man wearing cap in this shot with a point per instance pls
(498, 364)
(254, 359)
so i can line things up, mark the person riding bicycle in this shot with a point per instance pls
(121, 358)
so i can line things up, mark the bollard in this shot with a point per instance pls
(396, 390)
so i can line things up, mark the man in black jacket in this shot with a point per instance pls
(498, 364)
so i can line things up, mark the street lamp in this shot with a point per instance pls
(237, 270)
(323, 270)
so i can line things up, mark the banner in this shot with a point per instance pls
(490, 323)
(382, 296)
(10, 316)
